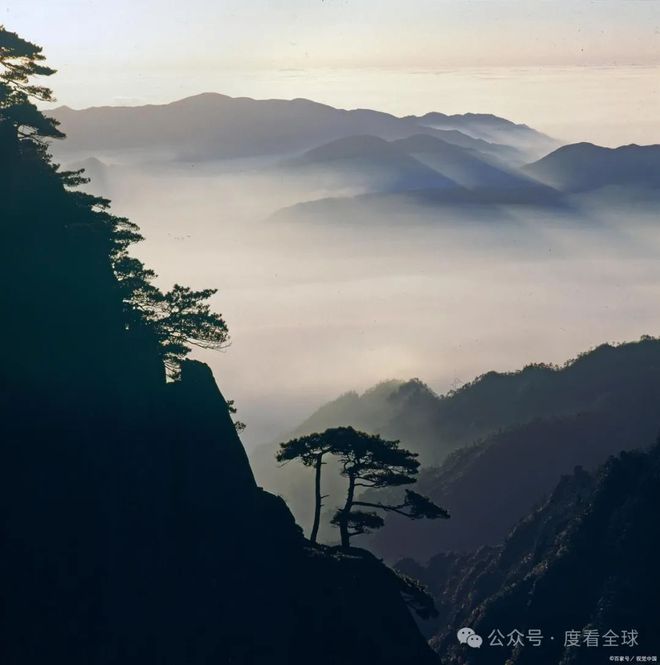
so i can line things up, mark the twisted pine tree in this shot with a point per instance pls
(368, 461)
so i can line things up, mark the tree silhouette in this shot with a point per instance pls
(311, 450)
(178, 319)
(175, 320)
(372, 462)
(238, 424)
(20, 60)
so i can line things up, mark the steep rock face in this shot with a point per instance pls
(131, 527)
(203, 417)
(584, 560)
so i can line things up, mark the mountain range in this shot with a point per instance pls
(468, 167)
(418, 162)
(215, 126)
(490, 128)
(370, 162)
(479, 180)
(365, 161)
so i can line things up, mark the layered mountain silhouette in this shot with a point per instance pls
(418, 162)
(480, 154)
(467, 167)
(371, 162)
(214, 126)
(583, 167)
(498, 152)
(420, 170)
(602, 403)
(434, 160)
(584, 560)
(490, 128)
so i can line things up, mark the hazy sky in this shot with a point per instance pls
(579, 69)
(302, 33)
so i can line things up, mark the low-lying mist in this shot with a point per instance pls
(343, 295)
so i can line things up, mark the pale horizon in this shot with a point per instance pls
(611, 117)
(578, 71)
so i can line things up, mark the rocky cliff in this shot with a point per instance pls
(131, 526)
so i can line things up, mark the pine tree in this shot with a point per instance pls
(175, 320)
(20, 61)
(311, 450)
(368, 461)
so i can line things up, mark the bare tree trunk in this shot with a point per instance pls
(343, 522)
(317, 499)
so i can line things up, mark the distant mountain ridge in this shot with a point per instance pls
(435, 425)
(425, 169)
(369, 159)
(491, 128)
(567, 177)
(215, 126)
(467, 167)
(418, 162)
(584, 166)
(440, 156)
(541, 423)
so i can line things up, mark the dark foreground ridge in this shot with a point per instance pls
(131, 528)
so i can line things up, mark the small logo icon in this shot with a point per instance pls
(463, 634)
(469, 637)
